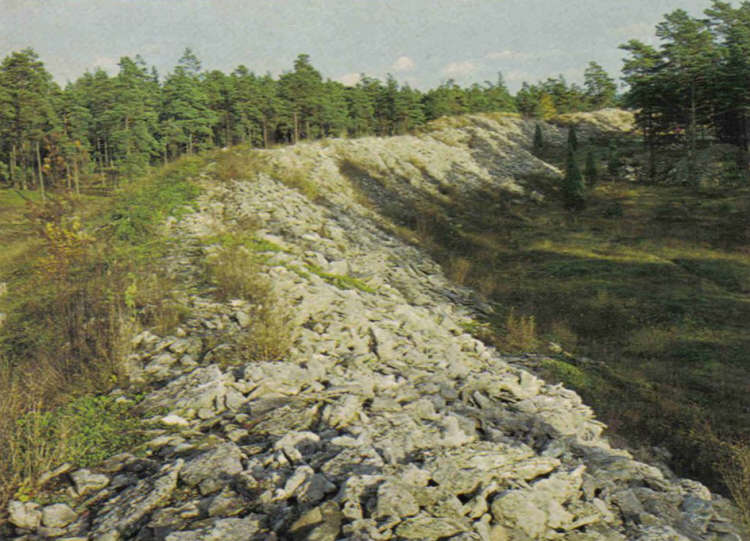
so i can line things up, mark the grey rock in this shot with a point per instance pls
(202, 388)
(124, 511)
(395, 500)
(58, 515)
(24, 515)
(322, 523)
(427, 527)
(85, 481)
(214, 468)
(226, 503)
(228, 529)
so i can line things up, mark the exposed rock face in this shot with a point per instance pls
(385, 421)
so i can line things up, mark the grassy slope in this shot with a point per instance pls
(654, 281)
(74, 297)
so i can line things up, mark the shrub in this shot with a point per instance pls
(459, 269)
(520, 332)
(736, 475)
(83, 432)
(236, 273)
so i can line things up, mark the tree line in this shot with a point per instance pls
(695, 86)
(101, 127)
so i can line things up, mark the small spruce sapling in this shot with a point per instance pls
(591, 172)
(538, 140)
(574, 196)
(572, 138)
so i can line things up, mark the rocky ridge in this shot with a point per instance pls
(387, 420)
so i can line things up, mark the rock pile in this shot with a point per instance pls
(386, 420)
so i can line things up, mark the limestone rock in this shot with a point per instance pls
(24, 514)
(213, 469)
(124, 511)
(58, 515)
(86, 481)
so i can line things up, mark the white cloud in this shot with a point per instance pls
(403, 63)
(350, 79)
(507, 55)
(459, 69)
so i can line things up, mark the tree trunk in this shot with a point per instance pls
(68, 180)
(107, 164)
(296, 128)
(692, 137)
(651, 143)
(742, 161)
(39, 168)
(76, 178)
(265, 133)
(25, 168)
(99, 155)
(227, 131)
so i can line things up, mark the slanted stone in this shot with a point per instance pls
(87, 482)
(24, 515)
(214, 468)
(121, 513)
(427, 527)
(395, 500)
(58, 515)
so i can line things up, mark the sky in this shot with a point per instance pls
(421, 42)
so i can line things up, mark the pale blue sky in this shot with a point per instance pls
(422, 42)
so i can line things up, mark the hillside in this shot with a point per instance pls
(327, 382)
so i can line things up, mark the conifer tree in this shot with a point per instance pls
(613, 159)
(591, 171)
(600, 87)
(572, 138)
(573, 189)
(538, 139)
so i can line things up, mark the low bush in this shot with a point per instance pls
(520, 332)
(736, 475)
(235, 272)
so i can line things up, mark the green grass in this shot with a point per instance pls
(83, 432)
(341, 281)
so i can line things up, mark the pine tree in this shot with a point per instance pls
(186, 107)
(538, 140)
(600, 87)
(573, 189)
(302, 89)
(591, 171)
(27, 114)
(572, 138)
